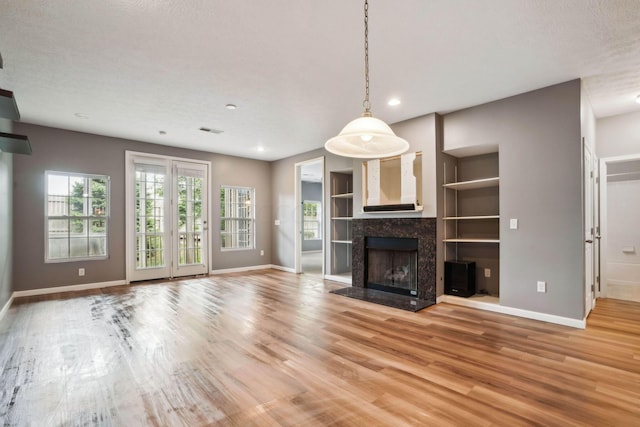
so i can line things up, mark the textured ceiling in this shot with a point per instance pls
(294, 68)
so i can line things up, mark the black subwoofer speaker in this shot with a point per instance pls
(460, 278)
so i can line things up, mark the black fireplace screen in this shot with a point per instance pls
(392, 264)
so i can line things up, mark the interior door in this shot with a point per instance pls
(167, 213)
(588, 209)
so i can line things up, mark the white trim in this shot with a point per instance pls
(240, 269)
(544, 317)
(7, 306)
(441, 298)
(341, 279)
(69, 288)
(282, 268)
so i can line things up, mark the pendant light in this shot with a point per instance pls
(366, 137)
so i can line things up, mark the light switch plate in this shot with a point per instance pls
(513, 223)
(276, 222)
(542, 287)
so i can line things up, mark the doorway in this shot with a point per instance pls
(310, 222)
(167, 217)
(620, 201)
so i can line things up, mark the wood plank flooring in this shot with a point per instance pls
(270, 348)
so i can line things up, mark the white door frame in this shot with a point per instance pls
(130, 240)
(588, 208)
(298, 213)
(604, 162)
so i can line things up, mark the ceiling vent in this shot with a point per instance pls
(216, 131)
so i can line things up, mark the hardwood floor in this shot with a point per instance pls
(272, 348)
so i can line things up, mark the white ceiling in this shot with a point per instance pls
(130, 68)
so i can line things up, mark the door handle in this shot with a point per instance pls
(588, 241)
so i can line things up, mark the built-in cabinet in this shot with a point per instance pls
(471, 218)
(341, 187)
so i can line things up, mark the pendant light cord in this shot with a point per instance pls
(366, 103)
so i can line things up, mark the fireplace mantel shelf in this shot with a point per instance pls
(417, 209)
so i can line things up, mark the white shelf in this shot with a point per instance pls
(346, 242)
(343, 196)
(342, 218)
(472, 185)
(454, 218)
(463, 240)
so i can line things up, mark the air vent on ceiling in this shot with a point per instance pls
(216, 131)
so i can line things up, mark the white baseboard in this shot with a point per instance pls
(441, 298)
(6, 307)
(497, 308)
(70, 288)
(346, 280)
(281, 268)
(240, 269)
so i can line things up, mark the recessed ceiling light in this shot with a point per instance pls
(231, 106)
(393, 102)
(260, 148)
(81, 116)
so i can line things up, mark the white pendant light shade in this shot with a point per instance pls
(366, 138)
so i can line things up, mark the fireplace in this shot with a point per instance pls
(413, 244)
(391, 264)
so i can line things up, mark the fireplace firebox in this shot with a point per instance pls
(391, 264)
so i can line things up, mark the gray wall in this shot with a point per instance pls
(312, 191)
(56, 149)
(539, 139)
(6, 219)
(283, 204)
(618, 135)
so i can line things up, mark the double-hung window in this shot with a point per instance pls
(77, 216)
(312, 213)
(237, 217)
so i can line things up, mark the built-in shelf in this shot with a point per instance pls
(341, 190)
(456, 218)
(463, 240)
(343, 196)
(472, 185)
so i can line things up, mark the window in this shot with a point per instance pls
(77, 216)
(237, 214)
(312, 214)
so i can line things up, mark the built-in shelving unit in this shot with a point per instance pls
(341, 187)
(471, 217)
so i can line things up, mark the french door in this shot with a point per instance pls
(167, 217)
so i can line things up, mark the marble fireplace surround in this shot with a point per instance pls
(423, 229)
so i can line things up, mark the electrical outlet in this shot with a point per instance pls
(513, 223)
(542, 287)
(261, 252)
(276, 222)
(487, 272)
(81, 272)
